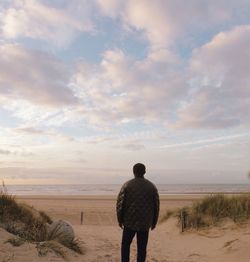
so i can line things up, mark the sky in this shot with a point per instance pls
(88, 88)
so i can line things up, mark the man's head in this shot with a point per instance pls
(139, 170)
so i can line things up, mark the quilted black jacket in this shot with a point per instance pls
(138, 204)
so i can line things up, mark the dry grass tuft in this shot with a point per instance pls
(45, 217)
(50, 246)
(75, 246)
(16, 241)
(170, 213)
(213, 209)
(28, 224)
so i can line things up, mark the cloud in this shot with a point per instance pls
(111, 7)
(38, 136)
(33, 76)
(131, 146)
(4, 152)
(15, 153)
(39, 89)
(220, 85)
(207, 141)
(34, 19)
(134, 15)
(30, 131)
(122, 89)
(162, 22)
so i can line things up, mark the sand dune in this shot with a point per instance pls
(100, 236)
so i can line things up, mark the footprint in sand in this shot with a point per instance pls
(194, 255)
(106, 258)
(154, 259)
(7, 257)
(231, 245)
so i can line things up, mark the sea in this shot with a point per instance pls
(113, 189)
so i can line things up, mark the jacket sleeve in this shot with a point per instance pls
(120, 205)
(156, 207)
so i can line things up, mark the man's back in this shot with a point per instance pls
(138, 204)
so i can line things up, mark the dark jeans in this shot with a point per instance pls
(142, 241)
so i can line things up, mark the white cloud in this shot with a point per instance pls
(208, 141)
(4, 152)
(150, 17)
(122, 89)
(52, 134)
(30, 131)
(131, 146)
(34, 19)
(162, 22)
(220, 82)
(9, 153)
(33, 76)
(111, 7)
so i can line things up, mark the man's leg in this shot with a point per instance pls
(127, 238)
(142, 241)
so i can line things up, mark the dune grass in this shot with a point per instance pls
(15, 241)
(29, 225)
(50, 246)
(213, 209)
(170, 213)
(21, 219)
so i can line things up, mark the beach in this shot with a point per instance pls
(100, 236)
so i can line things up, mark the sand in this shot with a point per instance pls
(100, 236)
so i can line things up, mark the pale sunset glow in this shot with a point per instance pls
(90, 87)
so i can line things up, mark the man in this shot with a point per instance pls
(137, 210)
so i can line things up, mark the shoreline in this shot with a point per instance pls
(165, 197)
(178, 196)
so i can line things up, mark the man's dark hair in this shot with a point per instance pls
(139, 170)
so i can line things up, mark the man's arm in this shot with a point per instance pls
(156, 209)
(120, 205)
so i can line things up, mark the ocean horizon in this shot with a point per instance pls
(113, 189)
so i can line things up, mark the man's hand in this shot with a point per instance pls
(121, 225)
